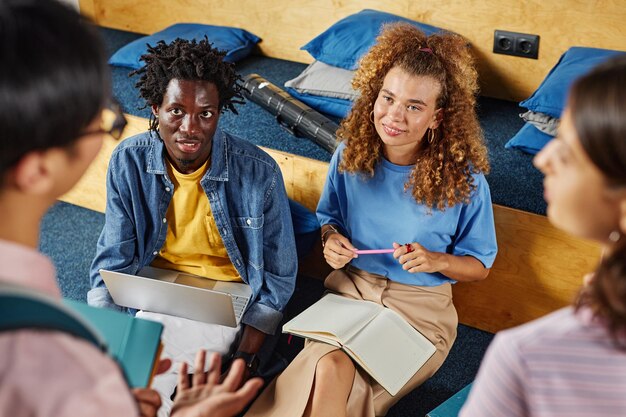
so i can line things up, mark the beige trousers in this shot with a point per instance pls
(427, 309)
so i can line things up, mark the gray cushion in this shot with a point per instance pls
(544, 122)
(320, 79)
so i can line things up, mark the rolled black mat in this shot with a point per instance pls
(296, 117)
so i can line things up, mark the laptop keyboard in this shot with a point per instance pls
(239, 303)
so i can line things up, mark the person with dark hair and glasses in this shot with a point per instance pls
(54, 114)
(189, 197)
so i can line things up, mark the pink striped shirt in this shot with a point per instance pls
(52, 374)
(561, 365)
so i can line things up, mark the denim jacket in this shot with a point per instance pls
(246, 192)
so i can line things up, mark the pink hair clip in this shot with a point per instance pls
(427, 50)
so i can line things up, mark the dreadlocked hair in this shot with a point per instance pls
(442, 176)
(187, 60)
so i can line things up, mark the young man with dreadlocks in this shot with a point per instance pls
(187, 196)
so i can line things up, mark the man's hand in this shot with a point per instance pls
(206, 396)
(148, 400)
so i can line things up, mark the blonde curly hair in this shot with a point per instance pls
(442, 176)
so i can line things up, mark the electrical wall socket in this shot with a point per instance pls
(516, 44)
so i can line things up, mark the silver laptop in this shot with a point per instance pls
(179, 294)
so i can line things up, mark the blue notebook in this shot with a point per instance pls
(134, 343)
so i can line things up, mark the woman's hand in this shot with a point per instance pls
(415, 258)
(338, 250)
(206, 396)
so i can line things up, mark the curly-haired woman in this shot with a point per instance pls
(410, 168)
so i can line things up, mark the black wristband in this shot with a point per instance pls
(251, 359)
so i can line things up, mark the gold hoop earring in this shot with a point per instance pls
(431, 136)
(372, 116)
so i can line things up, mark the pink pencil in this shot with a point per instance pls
(373, 251)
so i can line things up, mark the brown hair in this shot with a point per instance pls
(442, 176)
(598, 106)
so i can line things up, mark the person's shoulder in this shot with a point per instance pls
(480, 180)
(77, 355)
(545, 331)
(480, 185)
(141, 140)
(82, 366)
(341, 147)
(242, 148)
(337, 155)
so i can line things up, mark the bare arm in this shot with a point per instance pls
(459, 268)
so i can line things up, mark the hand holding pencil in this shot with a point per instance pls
(338, 250)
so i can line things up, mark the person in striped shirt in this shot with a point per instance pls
(573, 362)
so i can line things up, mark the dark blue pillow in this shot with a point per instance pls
(305, 227)
(238, 43)
(529, 139)
(330, 105)
(345, 42)
(551, 95)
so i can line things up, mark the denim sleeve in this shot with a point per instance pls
(279, 259)
(116, 249)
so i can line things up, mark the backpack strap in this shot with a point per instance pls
(24, 308)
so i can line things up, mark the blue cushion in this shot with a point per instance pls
(529, 139)
(551, 95)
(237, 43)
(330, 105)
(343, 44)
(305, 227)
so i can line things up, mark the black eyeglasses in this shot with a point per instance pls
(112, 121)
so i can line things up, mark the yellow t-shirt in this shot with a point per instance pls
(193, 244)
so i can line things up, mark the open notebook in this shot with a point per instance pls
(377, 338)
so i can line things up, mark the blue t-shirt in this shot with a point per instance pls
(375, 212)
